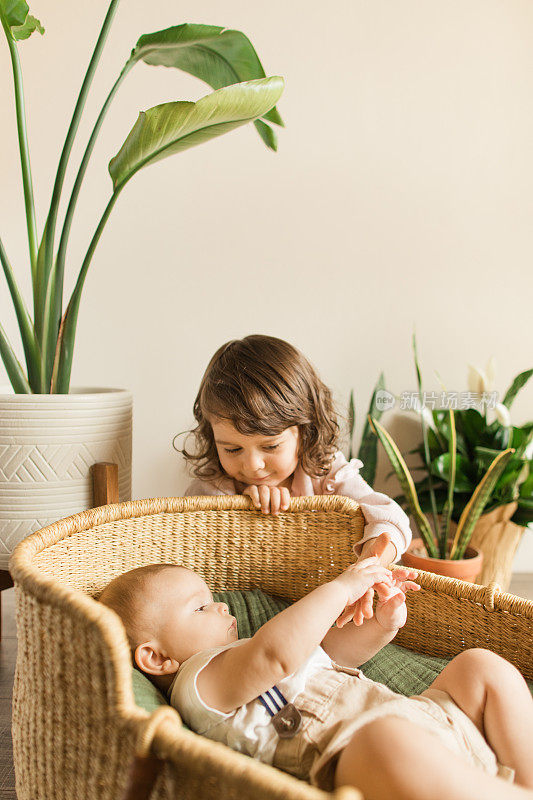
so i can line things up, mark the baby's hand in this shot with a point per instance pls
(360, 577)
(391, 610)
(269, 498)
(363, 608)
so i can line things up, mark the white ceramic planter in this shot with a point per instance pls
(48, 444)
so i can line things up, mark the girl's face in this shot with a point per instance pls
(256, 460)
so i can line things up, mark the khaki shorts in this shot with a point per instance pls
(338, 702)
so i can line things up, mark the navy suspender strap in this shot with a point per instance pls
(272, 704)
(285, 717)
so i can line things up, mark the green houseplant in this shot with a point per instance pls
(471, 466)
(50, 432)
(226, 61)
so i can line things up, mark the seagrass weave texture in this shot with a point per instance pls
(76, 727)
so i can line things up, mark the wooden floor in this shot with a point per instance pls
(522, 585)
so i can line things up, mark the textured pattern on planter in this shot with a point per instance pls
(48, 444)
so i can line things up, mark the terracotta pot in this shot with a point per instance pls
(464, 569)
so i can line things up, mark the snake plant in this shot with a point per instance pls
(435, 545)
(223, 59)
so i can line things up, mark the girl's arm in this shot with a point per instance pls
(240, 674)
(382, 514)
(385, 556)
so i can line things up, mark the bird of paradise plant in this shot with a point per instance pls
(225, 60)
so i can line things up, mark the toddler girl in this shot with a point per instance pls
(267, 429)
(293, 696)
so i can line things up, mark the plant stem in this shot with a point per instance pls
(427, 458)
(68, 329)
(13, 367)
(448, 506)
(63, 161)
(54, 295)
(23, 147)
(27, 332)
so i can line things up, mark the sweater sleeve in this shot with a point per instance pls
(382, 514)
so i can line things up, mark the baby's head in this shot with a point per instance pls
(169, 615)
(262, 391)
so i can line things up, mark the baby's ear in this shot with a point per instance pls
(150, 659)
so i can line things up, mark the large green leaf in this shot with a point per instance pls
(521, 438)
(526, 488)
(426, 453)
(518, 383)
(31, 25)
(216, 55)
(406, 482)
(12, 365)
(471, 424)
(159, 132)
(15, 14)
(477, 503)
(486, 455)
(442, 467)
(174, 127)
(368, 450)
(452, 476)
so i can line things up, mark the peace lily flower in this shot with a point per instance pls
(428, 417)
(481, 382)
(502, 414)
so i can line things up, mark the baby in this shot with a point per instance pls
(293, 696)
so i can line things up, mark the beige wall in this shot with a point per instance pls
(401, 195)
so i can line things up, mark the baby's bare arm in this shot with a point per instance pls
(240, 674)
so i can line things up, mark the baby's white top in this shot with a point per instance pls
(248, 729)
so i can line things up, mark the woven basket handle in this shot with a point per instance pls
(146, 766)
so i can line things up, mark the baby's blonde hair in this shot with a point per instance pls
(127, 596)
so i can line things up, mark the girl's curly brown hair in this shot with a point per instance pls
(264, 385)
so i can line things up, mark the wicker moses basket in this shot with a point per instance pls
(76, 727)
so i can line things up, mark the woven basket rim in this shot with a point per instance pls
(23, 570)
(39, 540)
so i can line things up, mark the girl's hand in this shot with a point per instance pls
(269, 498)
(391, 610)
